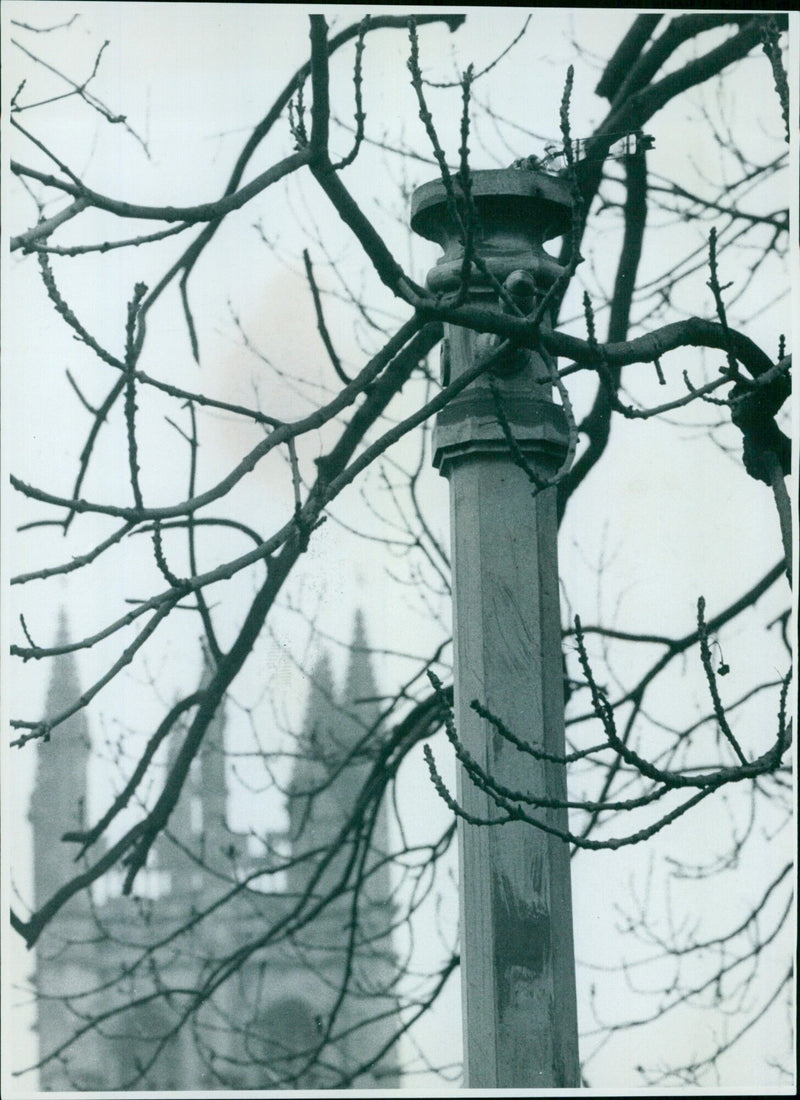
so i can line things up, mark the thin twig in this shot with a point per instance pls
(139, 292)
(705, 657)
(322, 327)
(770, 40)
(360, 117)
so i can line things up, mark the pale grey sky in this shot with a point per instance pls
(193, 79)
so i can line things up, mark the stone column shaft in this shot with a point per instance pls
(518, 969)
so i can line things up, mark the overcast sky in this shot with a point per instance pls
(192, 80)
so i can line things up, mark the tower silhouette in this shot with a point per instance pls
(58, 805)
(58, 800)
(261, 1028)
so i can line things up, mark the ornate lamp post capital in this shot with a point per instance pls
(516, 209)
(514, 212)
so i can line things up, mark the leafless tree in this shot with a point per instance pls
(650, 739)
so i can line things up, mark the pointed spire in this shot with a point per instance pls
(317, 737)
(213, 785)
(360, 693)
(321, 697)
(328, 774)
(62, 630)
(64, 688)
(314, 804)
(58, 799)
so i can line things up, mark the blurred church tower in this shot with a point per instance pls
(57, 806)
(283, 996)
(58, 800)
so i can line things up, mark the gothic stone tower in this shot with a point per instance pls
(58, 805)
(287, 994)
(329, 843)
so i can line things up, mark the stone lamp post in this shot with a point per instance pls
(517, 959)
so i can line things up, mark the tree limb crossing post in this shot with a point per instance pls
(517, 957)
